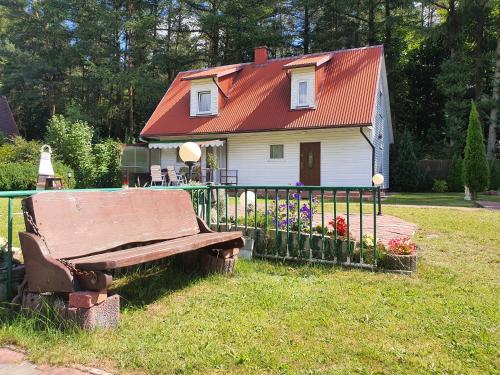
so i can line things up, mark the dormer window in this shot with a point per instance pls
(203, 102)
(204, 98)
(302, 101)
(302, 88)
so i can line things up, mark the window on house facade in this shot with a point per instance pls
(302, 100)
(203, 101)
(276, 152)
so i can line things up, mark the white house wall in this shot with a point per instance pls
(381, 134)
(345, 157)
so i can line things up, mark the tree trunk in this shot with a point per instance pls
(371, 24)
(306, 32)
(492, 131)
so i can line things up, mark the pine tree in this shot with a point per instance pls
(476, 169)
(456, 175)
(406, 172)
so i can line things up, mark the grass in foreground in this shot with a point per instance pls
(277, 318)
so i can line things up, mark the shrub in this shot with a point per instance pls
(72, 144)
(476, 170)
(455, 175)
(494, 174)
(23, 176)
(20, 151)
(406, 172)
(439, 186)
(107, 164)
(18, 176)
(94, 165)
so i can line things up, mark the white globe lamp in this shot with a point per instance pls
(250, 202)
(190, 153)
(378, 180)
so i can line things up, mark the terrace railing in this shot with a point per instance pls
(298, 223)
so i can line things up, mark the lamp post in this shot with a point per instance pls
(69, 179)
(378, 180)
(190, 153)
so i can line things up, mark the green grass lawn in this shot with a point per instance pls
(278, 318)
(437, 199)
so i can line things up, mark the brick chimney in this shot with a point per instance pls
(261, 55)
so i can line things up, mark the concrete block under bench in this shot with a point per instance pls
(104, 313)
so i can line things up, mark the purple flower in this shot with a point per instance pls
(299, 184)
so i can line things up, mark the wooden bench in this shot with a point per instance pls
(74, 239)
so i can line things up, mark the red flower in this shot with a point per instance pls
(339, 225)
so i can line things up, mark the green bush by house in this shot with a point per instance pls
(95, 165)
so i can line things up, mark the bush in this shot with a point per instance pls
(455, 175)
(494, 174)
(20, 151)
(476, 170)
(18, 176)
(23, 176)
(94, 165)
(406, 172)
(107, 164)
(439, 186)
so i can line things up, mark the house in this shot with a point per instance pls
(8, 127)
(322, 119)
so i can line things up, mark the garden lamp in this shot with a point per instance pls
(378, 180)
(190, 153)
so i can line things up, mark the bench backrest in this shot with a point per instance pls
(80, 223)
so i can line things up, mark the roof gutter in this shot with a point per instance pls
(373, 149)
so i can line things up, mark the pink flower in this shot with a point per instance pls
(402, 246)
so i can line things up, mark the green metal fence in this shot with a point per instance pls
(279, 222)
(291, 222)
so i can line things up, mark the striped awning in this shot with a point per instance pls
(166, 145)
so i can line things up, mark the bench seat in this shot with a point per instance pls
(159, 250)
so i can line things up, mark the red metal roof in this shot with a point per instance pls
(308, 60)
(218, 72)
(259, 99)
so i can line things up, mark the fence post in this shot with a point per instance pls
(374, 199)
(209, 204)
(9, 248)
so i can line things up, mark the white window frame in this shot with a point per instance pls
(305, 103)
(199, 95)
(282, 155)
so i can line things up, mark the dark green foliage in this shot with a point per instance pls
(95, 165)
(18, 176)
(439, 186)
(406, 172)
(23, 175)
(494, 174)
(425, 181)
(476, 169)
(455, 175)
(107, 164)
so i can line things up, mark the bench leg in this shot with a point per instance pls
(87, 310)
(219, 261)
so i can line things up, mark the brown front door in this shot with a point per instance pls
(310, 159)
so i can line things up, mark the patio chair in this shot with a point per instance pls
(157, 178)
(173, 178)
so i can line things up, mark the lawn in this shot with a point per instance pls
(437, 199)
(277, 318)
